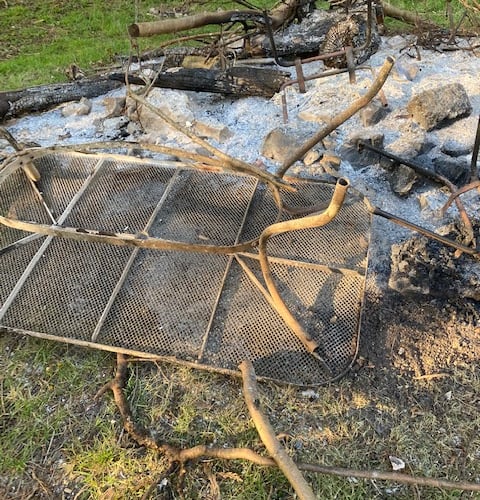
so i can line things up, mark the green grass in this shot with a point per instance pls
(40, 40)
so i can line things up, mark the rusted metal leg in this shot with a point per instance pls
(476, 147)
(300, 76)
(350, 65)
(311, 221)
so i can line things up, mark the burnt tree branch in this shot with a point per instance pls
(43, 97)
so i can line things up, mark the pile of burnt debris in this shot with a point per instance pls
(294, 88)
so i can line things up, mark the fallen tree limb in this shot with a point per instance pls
(406, 16)
(43, 97)
(174, 454)
(390, 476)
(178, 456)
(284, 12)
(267, 434)
(174, 25)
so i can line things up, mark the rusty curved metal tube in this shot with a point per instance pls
(308, 222)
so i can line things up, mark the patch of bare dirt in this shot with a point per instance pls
(420, 336)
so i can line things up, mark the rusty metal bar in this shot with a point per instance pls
(350, 64)
(311, 221)
(429, 234)
(433, 176)
(476, 147)
(300, 76)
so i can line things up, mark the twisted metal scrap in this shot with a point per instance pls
(310, 221)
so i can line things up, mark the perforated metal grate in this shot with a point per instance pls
(209, 310)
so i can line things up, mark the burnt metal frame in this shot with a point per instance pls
(321, 216)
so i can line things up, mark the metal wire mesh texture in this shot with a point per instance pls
(184, 304)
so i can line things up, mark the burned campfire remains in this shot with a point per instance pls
(178, 251)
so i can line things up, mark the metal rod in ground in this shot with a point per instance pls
(476, 147)
(429, 234)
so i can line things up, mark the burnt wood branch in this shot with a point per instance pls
(166, 26)
(179, 456)
(238, 81)
(44, 97)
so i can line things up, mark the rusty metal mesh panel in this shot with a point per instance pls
(208, 310)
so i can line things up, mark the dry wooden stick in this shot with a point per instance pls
(179, 456)
(267, 434)
(341, 117)
(233, 163)
(396, 477)
(281, 14)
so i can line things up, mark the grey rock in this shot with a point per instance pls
(456, 170)
(82, 107)
(455, 149)
(114, 106)
(433, 108)
(402, 179)
(279, 144)
(373, 113)
(349, 150)
(311, 157)
(406, 70)
(331, 162)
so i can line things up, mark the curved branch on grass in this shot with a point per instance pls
(268, 437)
(179, 456)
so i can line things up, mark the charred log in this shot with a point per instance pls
(238, 81)
(44, 97)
